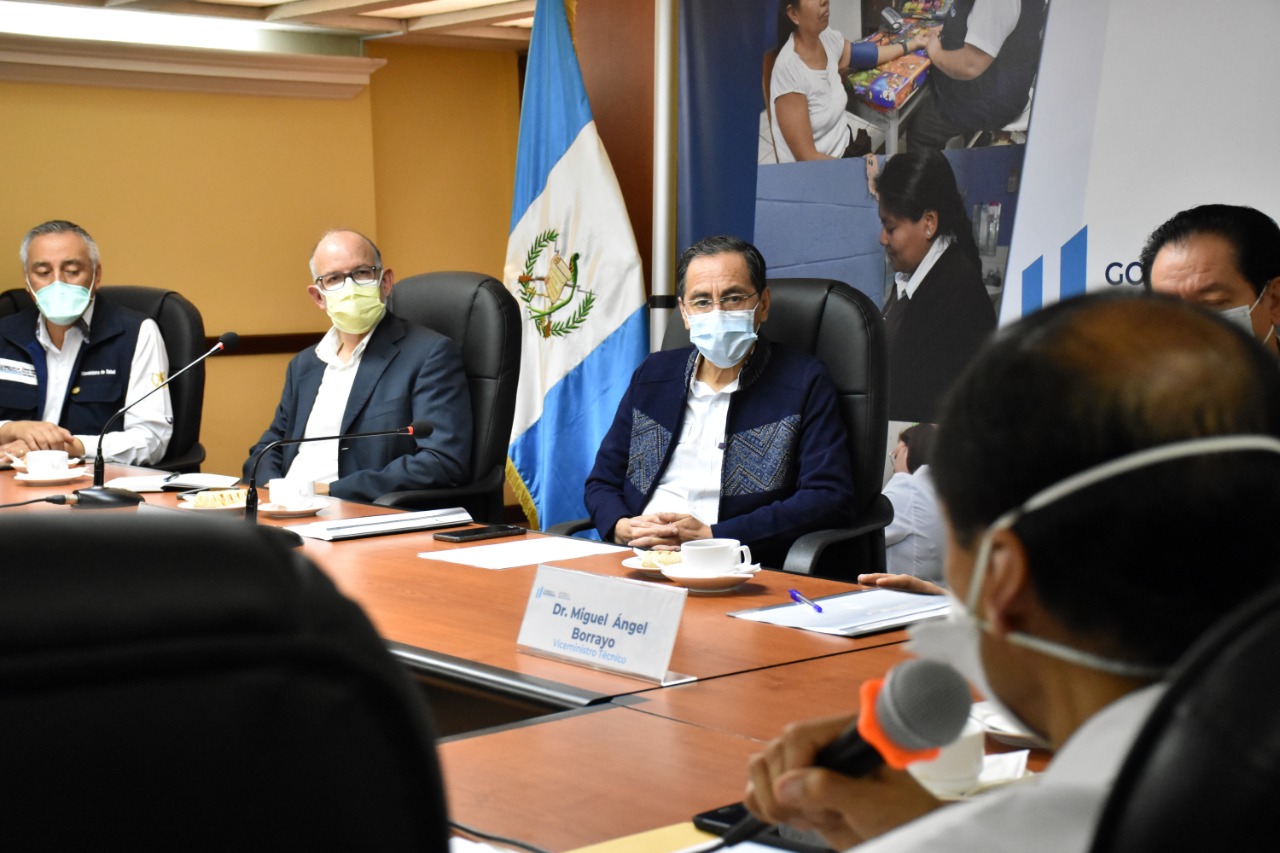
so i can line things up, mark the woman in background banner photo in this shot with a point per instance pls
(806, 86)
(937, 313)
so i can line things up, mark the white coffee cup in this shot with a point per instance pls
(955, 771)
(46, 463)
(714, 556)
(290, 493)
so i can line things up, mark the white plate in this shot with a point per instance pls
(710, 584)
(311, 507)
(56, 480)
(638, 565)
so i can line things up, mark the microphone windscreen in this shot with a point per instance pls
(421, 429)
(229, 341)
(923, 704)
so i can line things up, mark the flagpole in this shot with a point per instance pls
(665, 81)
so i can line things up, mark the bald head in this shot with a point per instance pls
(348, 242)
(1092, 379)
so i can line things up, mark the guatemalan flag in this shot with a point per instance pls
(572, 263)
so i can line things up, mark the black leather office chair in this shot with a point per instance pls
(483, 318)
(182, 328)
(191, 683)
(1205, 769)
(843, 328)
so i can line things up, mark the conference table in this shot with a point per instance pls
(559, 754)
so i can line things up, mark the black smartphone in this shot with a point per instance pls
(719, 821)
(474, 534)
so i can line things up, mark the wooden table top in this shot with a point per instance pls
(652, 756)
(462, 621)
(591, 775)
(758, 704)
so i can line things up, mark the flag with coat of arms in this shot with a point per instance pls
(573, 264)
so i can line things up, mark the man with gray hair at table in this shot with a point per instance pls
(71, 361)
(1141, 447)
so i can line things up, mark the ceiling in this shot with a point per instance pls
(490, 24)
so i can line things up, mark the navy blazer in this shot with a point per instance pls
(786, 468)
(100, 376)
(407, 373)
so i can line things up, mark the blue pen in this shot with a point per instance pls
(800, 598)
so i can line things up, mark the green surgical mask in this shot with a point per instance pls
(61, 303)
(355, 308)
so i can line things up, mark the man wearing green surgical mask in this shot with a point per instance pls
(1147, 439)
(372, 371)
(72, 361)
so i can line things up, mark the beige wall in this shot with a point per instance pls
(222, 197)
(444, 152)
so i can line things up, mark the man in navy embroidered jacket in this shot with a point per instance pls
(754, 450)
(73, 360)
(372, 371)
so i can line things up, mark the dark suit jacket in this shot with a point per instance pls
(934, 334)
(407, 373)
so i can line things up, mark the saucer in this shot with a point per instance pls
(70, 475)
(273, 510)
(709, 584)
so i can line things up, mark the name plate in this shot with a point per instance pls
(603, 622)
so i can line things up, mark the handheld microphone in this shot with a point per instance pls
(417, 429)
(919, 706)
(100, 497)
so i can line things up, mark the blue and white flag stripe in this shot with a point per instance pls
(575, 362)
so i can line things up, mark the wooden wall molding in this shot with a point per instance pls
(291, 342)
(79, 62)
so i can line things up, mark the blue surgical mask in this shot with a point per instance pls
(1243, 317)
(723, 337)
(61, 303)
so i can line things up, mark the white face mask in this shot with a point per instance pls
(955, 639)
(1243, 317)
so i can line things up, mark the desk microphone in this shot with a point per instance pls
(417, 429)
(919, 706)
(100, 497)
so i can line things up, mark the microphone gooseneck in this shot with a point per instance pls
(922, 705)
(417, 429)
(100, 497)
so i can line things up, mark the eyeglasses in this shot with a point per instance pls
(364, 276)
(730, 302)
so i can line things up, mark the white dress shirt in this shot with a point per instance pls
(908, 284)
(317, 461)
(691, 483)
(916, 538)
(147, 427)
(1054, 812)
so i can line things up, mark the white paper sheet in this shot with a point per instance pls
(850, 614)
(379, 525)
(524, 552)
(157, 482)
